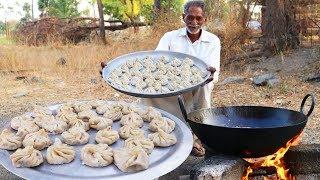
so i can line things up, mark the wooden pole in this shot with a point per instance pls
(101, 22)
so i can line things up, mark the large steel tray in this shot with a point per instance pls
(162, 160)
(154, 55)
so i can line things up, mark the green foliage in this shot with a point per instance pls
(134, 10)
(59, 8)
(2, 27)
(27, 12)
(43, 5)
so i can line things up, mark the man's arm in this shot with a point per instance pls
(164, 43)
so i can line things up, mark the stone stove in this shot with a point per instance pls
(303, 162)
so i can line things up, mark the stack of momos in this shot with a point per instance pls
(32, 134)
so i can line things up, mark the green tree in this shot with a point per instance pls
(27, 12)
(59, 8)
(2, 27)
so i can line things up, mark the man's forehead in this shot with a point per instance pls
(195, 10)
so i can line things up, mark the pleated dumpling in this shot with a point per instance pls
(24, 122)
(96, 155)
(103, 108)
(78, 123)
(166, 124)
(66, 116)
(162, 139)
(87, 115)
(132, 119)
(128, 131)
(40, 111)
(39, 140)
(112, 114)
(27, 157)
(100, 123)
(75, 136)
(131, 159)
(149, 114)
(81, 106)
(11, 141)
(55, 126)
(145, 143)
(97, 103)
(107, 136)
(60, 153)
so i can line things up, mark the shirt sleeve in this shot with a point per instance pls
(164, 43)
(215, 57)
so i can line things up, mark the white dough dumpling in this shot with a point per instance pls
(66, 116)
(39, 140)
(81, 106)
(107, 136)
(132, 119)
(162, 139)
(131, 159)
(128, 131)
(149, 114)
(87, 114)
(24, 122)
(60, 153)
(11, 141)
(145, 143)
(99, 122)
(78, 123)
(96, 155)
(75, 136)
(166, 124)
(27, 157)
(113, 114)
(55, 127)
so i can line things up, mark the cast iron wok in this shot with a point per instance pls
(247, 131)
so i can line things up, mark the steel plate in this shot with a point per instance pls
(154, 55)
(162, 160)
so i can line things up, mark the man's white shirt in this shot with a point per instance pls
(207, 48)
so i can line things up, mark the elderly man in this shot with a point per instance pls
(195, 41)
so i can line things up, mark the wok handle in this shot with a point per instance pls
(182, 107)
(313, 102)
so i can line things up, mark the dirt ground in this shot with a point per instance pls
(20, 91)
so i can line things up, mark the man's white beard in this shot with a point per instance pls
(193, 32)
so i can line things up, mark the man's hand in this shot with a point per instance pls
(102, 66)
(212, 70)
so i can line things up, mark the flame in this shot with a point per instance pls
(274, 160)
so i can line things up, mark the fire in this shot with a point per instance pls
(274, 160)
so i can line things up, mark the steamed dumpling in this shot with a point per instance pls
(42, 120)
(75, 136)
(66, 108)
(162, 138)
(146, 144)
(81, 106)
(60, 153)
(78, 123)
(40, 111)
(131, 159)
(27, 157)
(96, 155)
(39, 140)
(149, 114)
(100, 123)
(55, 126)
(132, 119)
(166, 124)
(97, 103)
(66, 116)
(11, 141)
(107, 136)
(128, 131)
(103, 108)
(22, 120)
(86, 115)
(112, 114)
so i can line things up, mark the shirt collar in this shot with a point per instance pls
(203, 37)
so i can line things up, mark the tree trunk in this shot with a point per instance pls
(156, 8)
(101, 22)
(280, 30)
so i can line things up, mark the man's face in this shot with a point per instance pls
(194, 19)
